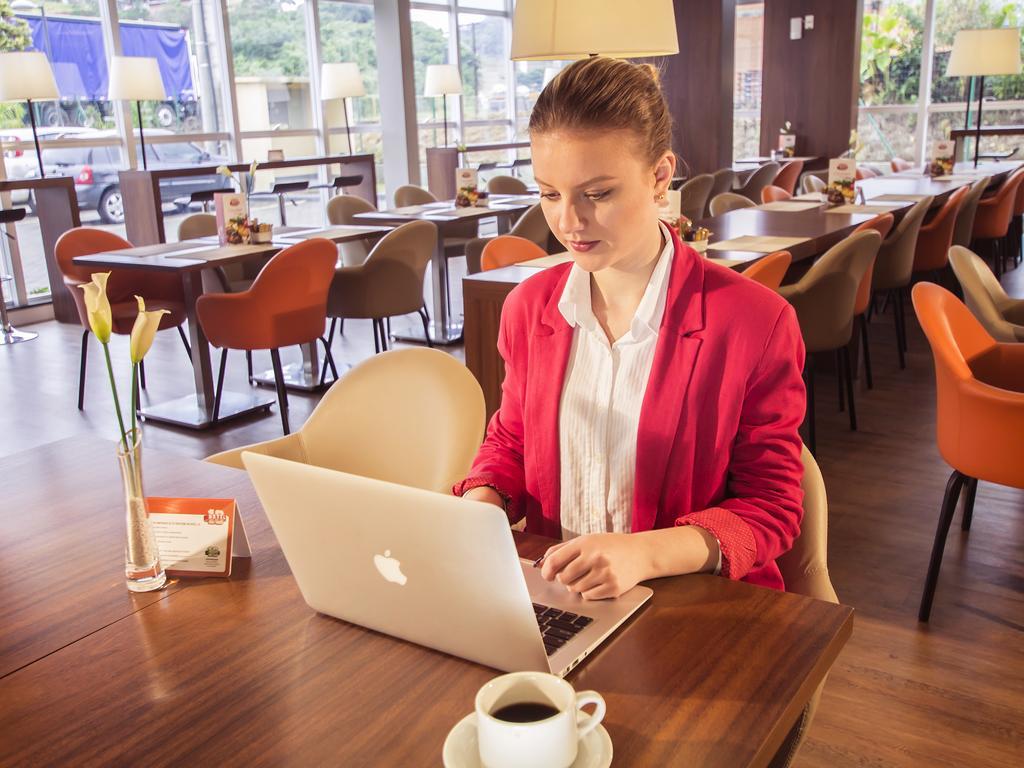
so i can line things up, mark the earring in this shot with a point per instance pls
(660, 197)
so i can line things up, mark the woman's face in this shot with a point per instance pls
(599, 195)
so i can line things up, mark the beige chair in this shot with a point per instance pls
(805, 571)
(410, 416)
(230, 278)
(389, 283)
(824, 300)
(694, 196)
(341, 211)
(506, 185)
(728, 201)
(531, 226)
(724, 178)
(811, 184)
(410, 194)
(965, 218)
(758, 180)
(197, 225)
(1001, 316)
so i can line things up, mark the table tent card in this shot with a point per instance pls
(670, 207)
(230, 209)
(787, 144)
(197, 537)
(942, 158)
(842, 175)
(466, 192)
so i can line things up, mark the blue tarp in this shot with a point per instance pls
(80, 62)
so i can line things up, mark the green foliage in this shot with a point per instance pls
(14, 32)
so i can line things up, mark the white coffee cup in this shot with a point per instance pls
(548, 743)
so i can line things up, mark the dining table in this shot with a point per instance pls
(710, 673)
(189, 259)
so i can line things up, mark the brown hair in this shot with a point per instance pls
(600, 93)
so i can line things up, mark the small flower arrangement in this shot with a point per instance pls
(238, 230)
(467, 197)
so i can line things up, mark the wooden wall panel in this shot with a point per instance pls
(812, 82)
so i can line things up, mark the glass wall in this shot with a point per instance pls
(746, 131)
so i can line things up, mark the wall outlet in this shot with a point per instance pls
(808, 22)
(796, 28)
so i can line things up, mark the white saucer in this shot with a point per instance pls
(461, 751)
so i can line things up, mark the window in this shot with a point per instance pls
(746, 131)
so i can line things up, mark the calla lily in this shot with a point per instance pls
(144, 330)
(97, 306)
(223, 170)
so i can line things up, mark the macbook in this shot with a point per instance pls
(426, 567)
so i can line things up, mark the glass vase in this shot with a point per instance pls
(142, 569)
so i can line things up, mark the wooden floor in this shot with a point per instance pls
(901, 694)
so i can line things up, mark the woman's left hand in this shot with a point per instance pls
(597, 565)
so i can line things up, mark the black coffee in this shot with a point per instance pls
(525, 712)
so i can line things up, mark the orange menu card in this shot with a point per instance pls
(197, 537)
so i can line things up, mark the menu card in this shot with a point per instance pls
(670, 207)
(231, 212)
(942, 158)
(197, 537)
(466, 192)
(787, 144)
(842, 175)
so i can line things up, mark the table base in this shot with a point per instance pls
(447, 337)
(185, 411)
(296, 377)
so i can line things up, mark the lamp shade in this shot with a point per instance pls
(340, 80)
(135, 78)
(26, 75)
(546, 30)
(985, 52)
(442, 80)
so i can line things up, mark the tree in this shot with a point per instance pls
(14, 32)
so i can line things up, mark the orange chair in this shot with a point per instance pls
(770, 270)
(935, 237)
(899, 165)
(789, 175)
(980, 410)
(161, 290)
(993, 217)
(506, 250)
(286, 305)
(882, 225)
(773, 194)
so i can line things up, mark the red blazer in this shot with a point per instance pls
(717, 444)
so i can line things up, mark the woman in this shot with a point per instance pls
(651, 400)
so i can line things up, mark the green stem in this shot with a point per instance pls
(135, 393)
(117, 401)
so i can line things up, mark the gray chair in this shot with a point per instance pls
(811, 184)
(965, 218)
(506, 185)
(341, 211)
(531, 225)
(724, 178)
(757, 181)
(728, 201)
(1001, 316)
(694, 196)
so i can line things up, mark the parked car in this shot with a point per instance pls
(22, 163)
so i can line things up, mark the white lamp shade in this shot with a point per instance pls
(549, 30)
(442, 80)
(985, 52)
(26, 75)
(135, 78)
(340, 80)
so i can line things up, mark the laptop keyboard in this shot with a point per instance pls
(558, 627)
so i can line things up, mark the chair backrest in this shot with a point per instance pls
(758, 180)
(729, 201)
(409, 416)
(770, 270)
(409, 194)
(508, 249)
(197, 225)
(992, 219)
(824, 297)
(787, 177)
(694, 194)
(724, 178)
(506, 185)
(399, 263)
(935, 237)
(341, 210)
(899, 165)
(965, 218)
(811, 184)
(533, 226)
(880, 224)
(983, 293)
(895, 261)
(83, 241)
(773, 194)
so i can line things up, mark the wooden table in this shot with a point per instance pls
(443, 329)
(214, 671)
(189, 259)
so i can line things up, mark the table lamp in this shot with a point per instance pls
(25, 76)
(981, 52)
(550, 30)
(443, 80)
(341, 80)
(136, 78)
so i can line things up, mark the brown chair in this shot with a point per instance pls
(894, 267)
(758, 180)
(694, 195)
(969, 209)
(812, 185)
(729, 201)
(880, 224)
(992, 220)
(824, 300)
(773, 194)
(1001, 316)
(788, 176)
(341, 211)
(724, 178)
(900, 165)
(933, 240)
(389, 283)
(506, 250)
(161, 290)
(286, 306)
(506, 185)
(531, 225)
(770, 270)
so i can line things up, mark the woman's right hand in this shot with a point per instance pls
(485, 493)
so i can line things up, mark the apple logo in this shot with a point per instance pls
(389, 568)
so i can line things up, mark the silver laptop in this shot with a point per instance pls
(433, 569)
